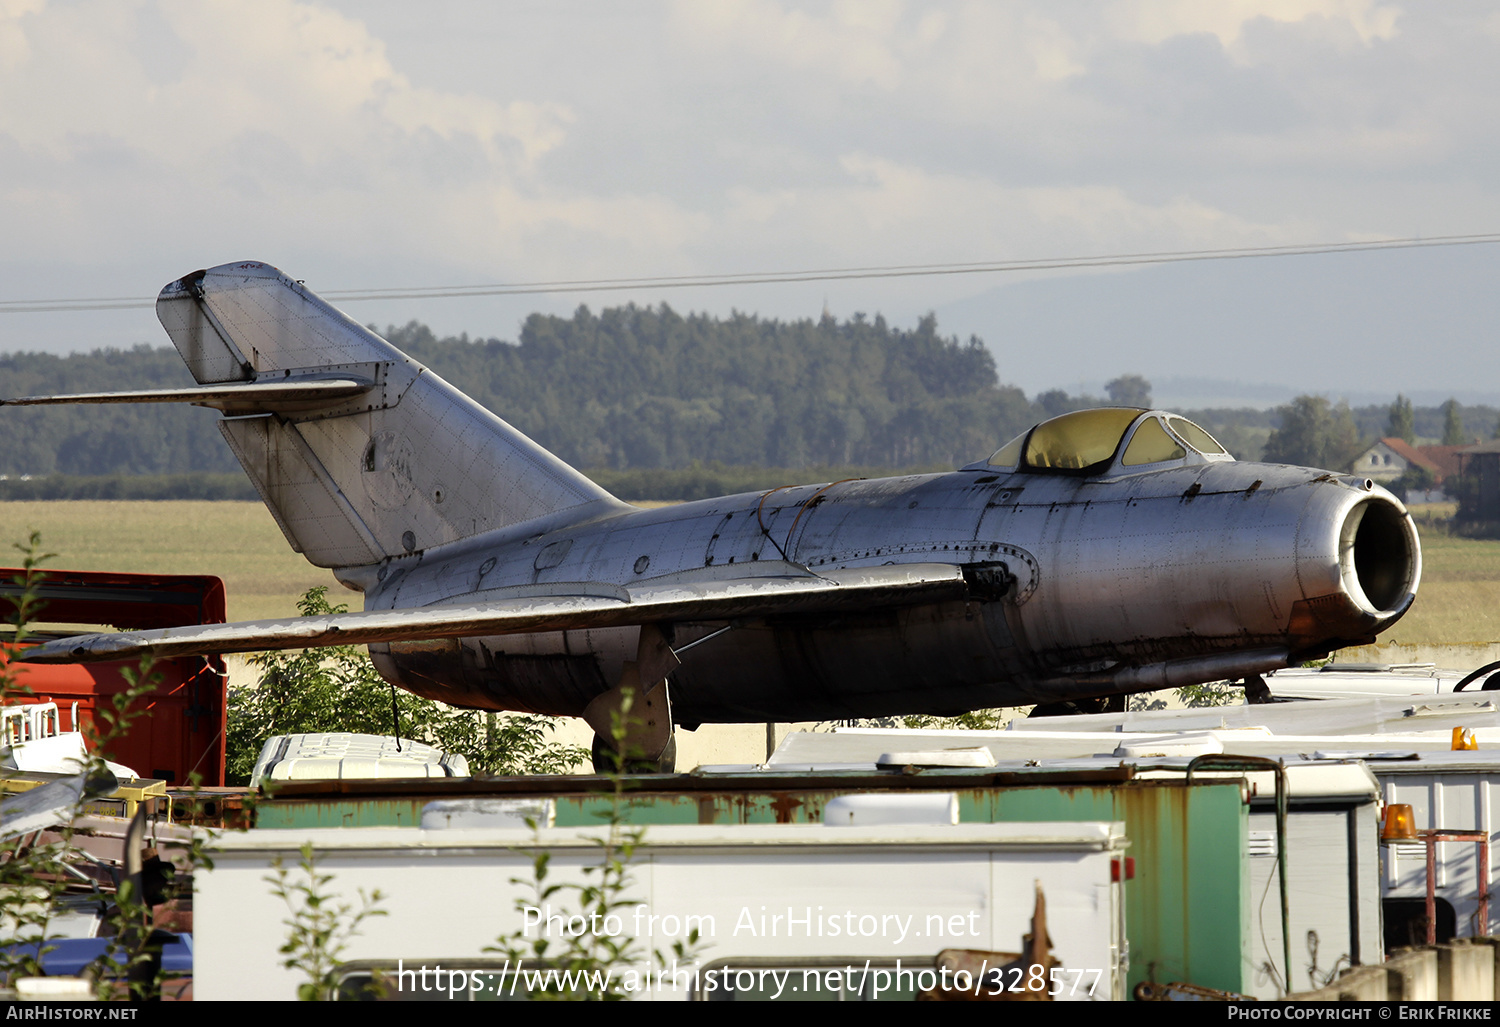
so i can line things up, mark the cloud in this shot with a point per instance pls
(968, 48)
(1155, 21)
(854, 42)
(279, 114)
(13, 46)
(946, 217)
(309, 76)
(359, 140)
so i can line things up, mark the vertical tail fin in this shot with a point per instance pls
(410, 463)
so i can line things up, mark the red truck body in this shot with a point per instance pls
(182, 731)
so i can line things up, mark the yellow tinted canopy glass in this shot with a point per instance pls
(1151, 444)
(1195, 436)
(1008, 454)
(1078, 440)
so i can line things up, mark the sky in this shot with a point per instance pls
(394, 145)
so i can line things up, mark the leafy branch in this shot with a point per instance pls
(588, 959)
(338, 689)
(320, 924)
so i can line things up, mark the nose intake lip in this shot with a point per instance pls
(1379, 557)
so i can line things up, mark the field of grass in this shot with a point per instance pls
(237, 541)
(1459, 600)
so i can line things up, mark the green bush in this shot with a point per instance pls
(338, 689)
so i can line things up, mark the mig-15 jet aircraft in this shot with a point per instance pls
(1101, 553)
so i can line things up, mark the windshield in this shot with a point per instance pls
(1194, 436)
(1151, 444)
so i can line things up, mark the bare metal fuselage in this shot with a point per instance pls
(1080, 586)
(1103, 552)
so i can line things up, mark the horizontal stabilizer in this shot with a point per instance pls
(256, 397)
(838, 591)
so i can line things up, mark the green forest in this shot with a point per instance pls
(658, 404)
(648, 388)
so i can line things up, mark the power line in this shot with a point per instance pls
(793, 276)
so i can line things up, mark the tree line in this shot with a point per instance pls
(646, 387)
(639, 395)
(1315, 432)
(627, 388)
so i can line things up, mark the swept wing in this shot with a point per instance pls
(561, 608)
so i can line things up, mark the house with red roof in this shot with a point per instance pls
(1388, 459)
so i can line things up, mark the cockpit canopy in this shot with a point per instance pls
(1091, 442)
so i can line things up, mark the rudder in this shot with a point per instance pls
(409, 463)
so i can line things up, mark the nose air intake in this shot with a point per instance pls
(1354, 593)
(1379, 557)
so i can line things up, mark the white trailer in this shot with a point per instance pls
(791, 911)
